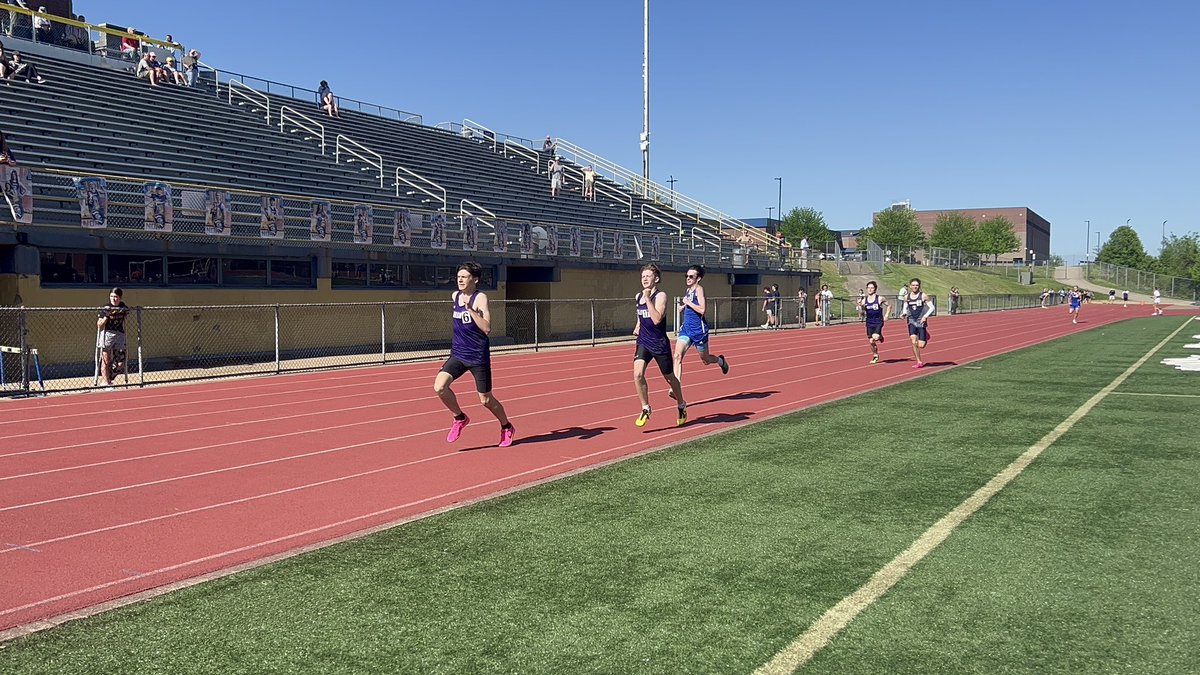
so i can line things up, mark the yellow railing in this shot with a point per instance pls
(15, 9)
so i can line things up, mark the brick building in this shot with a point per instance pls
(1032, 230)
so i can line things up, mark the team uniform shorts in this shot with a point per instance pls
(666, 364)
(875, 329)
(697, 340)
(481, 371)
(922, 332)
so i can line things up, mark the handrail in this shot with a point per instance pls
(250, 95)
(302, 122)
(622, 198)
(524, 152)
(417, 186)
(662, 217)
(471, 126)
(358, 151)
(462, 211)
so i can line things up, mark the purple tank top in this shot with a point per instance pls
(652, 336)
(470, 344)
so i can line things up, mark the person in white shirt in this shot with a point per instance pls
(1158, 310)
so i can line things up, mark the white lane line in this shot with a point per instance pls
(804, 648)
(1134, 393)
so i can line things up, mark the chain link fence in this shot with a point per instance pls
(54, 349)
(1138, 281)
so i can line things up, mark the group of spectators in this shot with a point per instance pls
(43, 29)
(172, 70)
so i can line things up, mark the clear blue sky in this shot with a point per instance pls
(1080, 110)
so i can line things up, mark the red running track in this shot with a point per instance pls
(108, 495)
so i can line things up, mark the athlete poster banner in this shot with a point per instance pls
(527, 238)
(158, 212)
(576, 241)
(598, 243)
(93, 202)
(270, 217)
(470, 233)
(364, 224)
(654, 247)
(437, 231)
(18, 192)
(218, 218)
(404, 224)
(320, 225)
(501, 243)
(619, 247)
(551, 240)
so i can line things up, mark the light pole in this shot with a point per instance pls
(1163, 243)
(1087, 242)
(645, 138)
(671, 180)
(779, 204)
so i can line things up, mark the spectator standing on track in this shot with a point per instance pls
(1124, 298)
(900, 301)
(1045, 298)
(874, 309)
(327, 100)
(768, 307)
(191, 66)
(1112, 295)
(110, 338)
(954, 296)
(693, 329)
(826, 312)
(802, 297)
(918, 307)
(556, 177)
(470, 349)
(1158, 308)
(653, 345)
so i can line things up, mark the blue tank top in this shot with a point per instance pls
(470, 344)
(652, 336)
(1076, 298)
(916, 308)
(693, 321)
(873, 309)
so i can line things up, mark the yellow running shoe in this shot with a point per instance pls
(682, 417)
(875, 359)
(643, 418)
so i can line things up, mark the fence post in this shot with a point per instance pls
(535, 325)
(382, 332)
(22, 328)
(141, 367)
(277, 369)
(747, 316)
(592, 304)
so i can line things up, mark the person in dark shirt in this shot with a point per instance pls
(110, 338)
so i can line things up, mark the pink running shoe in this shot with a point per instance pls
(919, 364)
(456, 429)
(506, 436)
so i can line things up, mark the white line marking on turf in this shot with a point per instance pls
(821, 633)
(1134, 393)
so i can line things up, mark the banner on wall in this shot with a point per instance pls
(619, 247)
(527, 238)
(654, 247)
(501, 243)
(320, 224)
(270, 218)
(437, 231)
(402, 227)
(598, 244)
(552, 240)
(218, 219)
(93, 202)
(576, 241)
(158, 214)
(470, 233)
(18, 192)
(364, 224)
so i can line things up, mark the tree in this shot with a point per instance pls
(1124, 248)
(1179, 255)
(996, 236)
(806, 222)
(956, 231)
(895, 227)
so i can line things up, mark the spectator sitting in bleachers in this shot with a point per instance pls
(3, 61)
(174, 73)
(327, 100)
(148, 68)
(42, 27)
(21, 69)
(6, 155)
(191, 66)
(76, 37)
(548, 146)
(130, 45)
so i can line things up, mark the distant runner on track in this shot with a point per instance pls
(874, 309)
(1075, 298)
(918, 307)
(693, 329)
(653, 345)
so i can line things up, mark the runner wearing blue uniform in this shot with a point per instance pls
(470, 350)
(918, 307)
(652, 344)
(874, 310)
(693, 329)
(1076, 301)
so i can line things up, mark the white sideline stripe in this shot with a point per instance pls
(821, 633)
(1133, 393)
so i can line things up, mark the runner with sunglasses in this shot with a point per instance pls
(693, 329)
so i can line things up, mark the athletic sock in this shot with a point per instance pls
(460, 417)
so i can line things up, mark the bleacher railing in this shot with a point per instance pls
(174, 344)
(1140, 281)
(519, 151)
(303, 123)
(356, 150)
(259, 102)
(419, 184)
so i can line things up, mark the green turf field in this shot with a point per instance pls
(711, 557)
